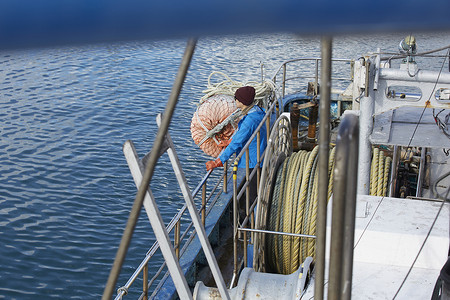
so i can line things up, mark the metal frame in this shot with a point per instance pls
(158, 225)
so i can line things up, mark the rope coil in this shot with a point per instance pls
(217, 116)
(379, 173)
(294, 210)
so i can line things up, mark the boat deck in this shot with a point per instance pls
(393, 236)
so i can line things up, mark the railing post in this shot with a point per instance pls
(394, 170)
(225, 177)
(284, 81)
(204, 203)
(145, 282)
(177, 239)
(258, 162)
(235, 229)
(316, 87)
(247, 199)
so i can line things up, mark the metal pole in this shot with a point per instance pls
(258, 153)
(420, 177)
(367, 107)
(344, 207)
(225, 177)
(394, 168)
(204, 204)
(235, 220)
(137, 205)
(177, 238)
(337, 223)
(145, 282)
(316, 87)
(324, 144)
(350, 205)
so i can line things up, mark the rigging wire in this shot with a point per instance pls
(423, 245)
(445, 175)
(429, 98)
(368, 223)
(424, 54)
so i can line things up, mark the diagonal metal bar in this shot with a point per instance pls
(201, 232)
(160, 137)
(157, 223)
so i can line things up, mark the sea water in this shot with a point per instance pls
(65, 188)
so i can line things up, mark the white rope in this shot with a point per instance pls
(263, 90)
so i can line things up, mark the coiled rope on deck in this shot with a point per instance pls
(217, 116)
(294, 210)
(379, 173)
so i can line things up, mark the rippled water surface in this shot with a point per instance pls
(65, 188)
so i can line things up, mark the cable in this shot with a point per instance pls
(429, 98)
(368, 223)
(421, 248)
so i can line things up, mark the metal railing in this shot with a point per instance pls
(289, 82)
(174, 224)
(292, 81)
(343, 209)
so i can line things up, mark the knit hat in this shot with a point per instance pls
(245, 95)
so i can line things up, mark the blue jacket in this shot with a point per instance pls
(246, 127)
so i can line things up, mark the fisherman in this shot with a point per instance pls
(244, 98)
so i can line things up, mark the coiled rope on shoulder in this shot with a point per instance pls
(294, 210)
(217, 116)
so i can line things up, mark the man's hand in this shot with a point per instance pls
(213, 164)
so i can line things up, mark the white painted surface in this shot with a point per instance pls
(388, 236)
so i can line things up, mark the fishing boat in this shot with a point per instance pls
(372, 249)
(352, 190)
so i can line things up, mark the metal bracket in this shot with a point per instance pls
(136, 167)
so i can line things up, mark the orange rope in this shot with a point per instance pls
(209, 114)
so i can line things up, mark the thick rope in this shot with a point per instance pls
(379, 173)
(387, 167)
(294, 210)
(374, 171)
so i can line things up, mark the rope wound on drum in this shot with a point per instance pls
(294, 210)
(217, 116)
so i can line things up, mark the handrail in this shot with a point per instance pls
(343, 210)
(169, 229)
(177, 217)
(283, 69)
(306, 58)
